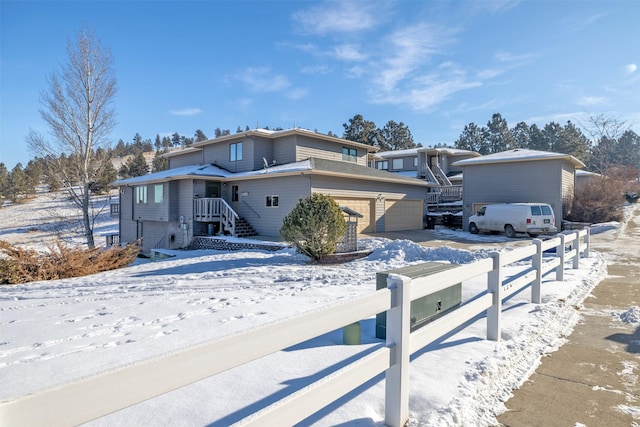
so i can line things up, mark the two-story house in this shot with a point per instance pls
(256, 178)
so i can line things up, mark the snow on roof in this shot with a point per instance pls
(518, 155)
(416, 150)
(181, 172)
(586, 173)
(398, 153)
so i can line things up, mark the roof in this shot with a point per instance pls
(312, 166)
(173, 174)
(519, 155)
(431, 150)
(273, 134)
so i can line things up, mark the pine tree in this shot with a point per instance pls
(396, 136)
(314, 226)
(497, 135)
(363, 131)
(4, 183)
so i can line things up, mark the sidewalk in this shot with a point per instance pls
(592, 380)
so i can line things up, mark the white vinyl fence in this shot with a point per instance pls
(95, 397)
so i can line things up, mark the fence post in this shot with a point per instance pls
(560, 253)
(494, 286)
(536, 263)
(576, 259)
(398, 330)
(587, 241)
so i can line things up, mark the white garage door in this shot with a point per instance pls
(403, 215)
(365, 208)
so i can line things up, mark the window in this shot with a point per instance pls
(158, 193)
(141, 194)
(415, 162)
(546, 210)
(384, 164)
(349, 154)
(234, 193)
(235, 152)
(272, 201)
(535, 210)
(398, 164)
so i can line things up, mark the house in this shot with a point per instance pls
(434, 165)
(246, 183)
(583, 178)
(519, 175)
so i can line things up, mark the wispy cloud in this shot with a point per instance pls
(348, 52)
(407, 50)
(296, 94)
(336, 17)
(590, 101)
(581, 24)
(316, 69)
(186, 112)
(262, 79)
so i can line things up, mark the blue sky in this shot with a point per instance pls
(436, 66)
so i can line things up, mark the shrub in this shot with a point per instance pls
(599, 200)
(60, 262)
(314, 226)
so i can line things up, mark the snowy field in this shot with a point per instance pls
(59, 331)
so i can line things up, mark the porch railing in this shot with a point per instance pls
(210, 209)
(445, 193)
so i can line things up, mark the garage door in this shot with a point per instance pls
(403, 215)
(363, 207)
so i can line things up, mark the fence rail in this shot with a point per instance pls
(83, 401)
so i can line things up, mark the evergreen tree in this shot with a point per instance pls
(199, 136)
(537, 140)
(121, 149)
(19, 184)
(4, 183)
(628, 149)
(472, 139)
(552, 133)
(497, 135)
(574, 142)
(175, 139)
(158, 143)
(521, 135)
(137, 165)
(396, 136)
(361, 130)
(314, 226)
(159, 163)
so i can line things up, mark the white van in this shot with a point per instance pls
(512, 218)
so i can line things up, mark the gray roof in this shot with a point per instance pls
(518, 155)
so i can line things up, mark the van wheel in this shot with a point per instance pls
(509, 231)
(533, 235)
(473, 228)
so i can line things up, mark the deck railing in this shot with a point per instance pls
(212, 209)
(91, 398)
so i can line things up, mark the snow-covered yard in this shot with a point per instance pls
(59, 331)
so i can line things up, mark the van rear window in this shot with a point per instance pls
(535, 210)
(546, 210)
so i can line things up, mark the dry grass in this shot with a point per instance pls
(60, 262)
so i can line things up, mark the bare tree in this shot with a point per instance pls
(605, 132)
(78, 110)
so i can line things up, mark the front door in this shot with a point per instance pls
(235, 197)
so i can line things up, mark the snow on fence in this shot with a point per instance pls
(82, 401)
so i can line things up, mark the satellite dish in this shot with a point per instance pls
(266, 164)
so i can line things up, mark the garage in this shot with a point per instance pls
(403, 215)
(363, 207)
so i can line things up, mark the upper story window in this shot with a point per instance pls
(158, 193)
(141, 194)
(235, 152)
(398, 164)
(349, 154)
(383, 164)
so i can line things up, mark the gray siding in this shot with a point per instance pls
(267, 221)
(518, 182)
(127, 223)
(308, 147)
(407, 164)
(262, 150)
(284, 150)
(152, 211)
(187, 159)
(568, 185)
(219, 154)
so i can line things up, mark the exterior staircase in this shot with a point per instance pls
(244, 229)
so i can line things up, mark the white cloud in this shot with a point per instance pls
(588, 101)
(186, 112)
(348, 52)
(631, 68)
(296, 94)
(316, 69)
(261, 79)
(336, 17)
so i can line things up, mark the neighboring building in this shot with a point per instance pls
(519, 176)
(253, 179)
(433, 165)
(584, 177)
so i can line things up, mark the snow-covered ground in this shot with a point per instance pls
(58, 331)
